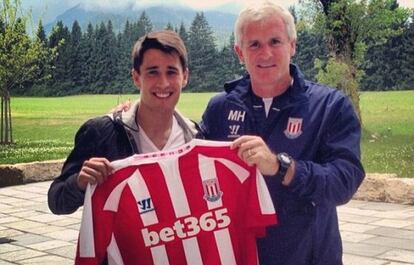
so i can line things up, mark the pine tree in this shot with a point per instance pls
(87, 51)
(228, 66)
(169, 26)
(100, 59)
(39, 86)
(106, 58)
(122, 79)
(60, 40)
(202, 54)
(407, 67)
(75, 57)
(183, 34)
(2, 26)
(310, 45)
(142, 27)
(112, 55)
(126, 43)
(384, 62)
(375, 65)
(40, 33)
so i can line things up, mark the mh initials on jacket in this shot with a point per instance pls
(236, 115)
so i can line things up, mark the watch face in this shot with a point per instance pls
(284, 163)
(285, 158)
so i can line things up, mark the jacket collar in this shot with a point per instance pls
(189, 128)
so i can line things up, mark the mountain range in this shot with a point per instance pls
(220, 22)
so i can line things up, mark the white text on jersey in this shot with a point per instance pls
(188, 227)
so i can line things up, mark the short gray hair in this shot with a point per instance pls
(258, 11)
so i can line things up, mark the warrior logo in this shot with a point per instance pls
(234, 131)
(212, 190)
(145, 205)
(294, 128)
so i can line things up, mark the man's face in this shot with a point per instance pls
(266, 51)
(160, 80)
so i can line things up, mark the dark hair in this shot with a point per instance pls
(165, 40)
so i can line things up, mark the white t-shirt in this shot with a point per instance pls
(175, 139)
(141, 138)
(267, 103)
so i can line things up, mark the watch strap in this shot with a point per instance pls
(283, 166)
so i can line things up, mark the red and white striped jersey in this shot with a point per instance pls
(199, 204)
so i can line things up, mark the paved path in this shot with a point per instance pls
(372, 233)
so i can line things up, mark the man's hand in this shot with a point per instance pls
(94, 171)
(254, 151)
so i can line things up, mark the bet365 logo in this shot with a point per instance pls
(188, 227)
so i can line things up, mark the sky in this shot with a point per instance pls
(49, 9)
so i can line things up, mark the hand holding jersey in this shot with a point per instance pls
(254, 151)
(198, 204)
(94, 171)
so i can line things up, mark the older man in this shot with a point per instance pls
(304, 136)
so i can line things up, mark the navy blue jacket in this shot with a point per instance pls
(318, 127)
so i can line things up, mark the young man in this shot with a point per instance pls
(304, 136)
(160, 71)
(194, 202)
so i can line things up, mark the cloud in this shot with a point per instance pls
(122, 4)
(49, 9)
(406, 3)
(196, 4)
(207, 4)
(106, 4)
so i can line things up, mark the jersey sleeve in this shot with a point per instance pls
(261, 211)
(96, 229)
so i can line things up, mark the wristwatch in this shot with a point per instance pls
(284, 163)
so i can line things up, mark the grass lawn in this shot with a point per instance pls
(388, 137)
(44, 128)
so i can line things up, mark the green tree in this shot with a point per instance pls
(142, 26)
(111, 61)
(228, 65)
(40, 33)
(39, 85)
(383, 65)
(202, 54)
(75, 56)
(407, 66)
(19, 58)
(183, 34)
(350, 26)
(60, 40)
(100, 59)
(311, 46)
(125, 43)
(106, 58)
(2, 26)
(169, 26)
(87, 50)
